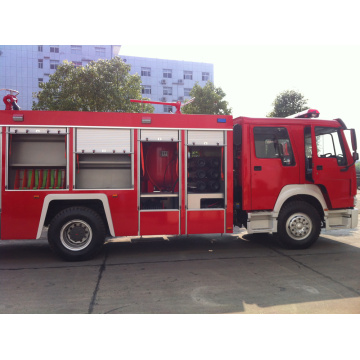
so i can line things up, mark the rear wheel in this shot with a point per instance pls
(76, 233)
(299, 225)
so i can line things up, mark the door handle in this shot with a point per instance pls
(257, 168)
(319, 167)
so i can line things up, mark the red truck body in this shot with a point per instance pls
(87, 176)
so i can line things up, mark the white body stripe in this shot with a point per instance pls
(102, 197)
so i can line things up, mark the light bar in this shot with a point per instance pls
(310, 113)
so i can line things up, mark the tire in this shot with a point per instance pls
(76, 233)
(299, 225)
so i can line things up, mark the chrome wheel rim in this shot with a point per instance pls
(76, 235)
(299, 226)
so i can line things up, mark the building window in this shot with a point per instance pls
(146, 89)
(54, 64)
(76, 49)
(145, 71)
(40, 80)
(77, 64)
(188, 75)
(40, 63)
(100, 51)
(167, 90)
(187, 91)
(167, 108)
(167, 73)
(86, 62)
(54, 49)
(40, 48)
(205, 76)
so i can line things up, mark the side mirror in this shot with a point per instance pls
(353, 139)
(354, 145)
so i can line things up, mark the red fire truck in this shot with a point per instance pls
(90, 176)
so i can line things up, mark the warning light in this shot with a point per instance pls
(307, 114)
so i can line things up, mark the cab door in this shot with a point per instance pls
(273, 165)
(329, 166)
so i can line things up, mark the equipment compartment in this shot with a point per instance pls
(205, 170)
(103, 159)
(37, 160)
(103, 171)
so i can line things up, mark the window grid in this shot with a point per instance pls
(205, 76)
(167, 108)
(188, 75)
(167, 73)
(77, 64)
(54, 64)
(76, 49)
(146, 89)
(100, 51)
(145, 71)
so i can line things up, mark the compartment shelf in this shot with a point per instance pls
(157, 195)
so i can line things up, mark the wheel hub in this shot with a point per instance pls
(76, 235)
(299, 226)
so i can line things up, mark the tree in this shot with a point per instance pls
(287, 103)
(208, 100)
(104, 85)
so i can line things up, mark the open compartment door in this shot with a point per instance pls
(159, 190)
(206, 182)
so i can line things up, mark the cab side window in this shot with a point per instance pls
(273, 143)
(329, 144)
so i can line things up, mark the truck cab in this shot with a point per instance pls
(294, 176)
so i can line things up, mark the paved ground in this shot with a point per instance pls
(199, 274)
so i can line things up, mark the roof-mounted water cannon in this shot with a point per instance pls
(307, 114)
(177, 104)
(10, 100)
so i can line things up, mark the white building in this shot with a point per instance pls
(169, 80)
(23, 67)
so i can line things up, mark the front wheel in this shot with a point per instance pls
(76, 233)
(299, 225)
